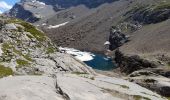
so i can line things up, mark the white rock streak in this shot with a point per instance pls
(82, 56)
(1, 51)
(59, 25)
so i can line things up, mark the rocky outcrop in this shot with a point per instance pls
(116, 38)
(28, 16)
(148, 14)
(129, 64)
(26, 50)
(144, 72)
(151, 80)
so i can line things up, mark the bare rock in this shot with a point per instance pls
(151, 81)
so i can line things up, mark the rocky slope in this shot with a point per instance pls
(32, 67)
(85, 25)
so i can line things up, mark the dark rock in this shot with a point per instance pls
(165, 91)
(129, 64)
(150, 15)
(152, 81)
(116, 38)
(19, 12)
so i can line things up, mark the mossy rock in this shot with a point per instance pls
(79, 73)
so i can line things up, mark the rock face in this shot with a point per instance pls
(152, 81)
(151, 14)
(28, 16)
(116, 39)
(144, 72)
(129, 64)
(26, 50)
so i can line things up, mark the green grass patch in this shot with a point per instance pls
(138, 97)
(92, 78)
(32, 29)
(162, 6)
(5, 71)
(78, 73)
(168, 98)
(30, 36)
(168, 64)
(50, 50)
(29, 28)
(28, 57)
(6, 47)
(124, 86)
(21, 62)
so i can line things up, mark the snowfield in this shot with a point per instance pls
(82, 56)
(59, 25)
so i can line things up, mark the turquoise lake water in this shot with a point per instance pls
(101, 62)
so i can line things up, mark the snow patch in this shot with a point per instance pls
(43, 24)
(41, 3)
(80, 55)
(59, 25)
(107, 43)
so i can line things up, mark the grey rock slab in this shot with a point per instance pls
(28, 88)
(84, 88)
(71, 64)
